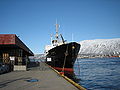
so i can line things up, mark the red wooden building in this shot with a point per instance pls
(13, 51)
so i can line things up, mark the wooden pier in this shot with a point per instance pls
(36, 78)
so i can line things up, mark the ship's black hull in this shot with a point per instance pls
(63, 55)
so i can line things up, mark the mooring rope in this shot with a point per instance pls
(66, 53)
(78, 67)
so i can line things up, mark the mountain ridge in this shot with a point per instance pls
(100, 47)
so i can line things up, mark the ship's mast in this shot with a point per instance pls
(57, 26)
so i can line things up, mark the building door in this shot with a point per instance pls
(6, 59)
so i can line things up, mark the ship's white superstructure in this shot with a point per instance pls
(55, 42)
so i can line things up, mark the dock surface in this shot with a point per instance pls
(36, 78)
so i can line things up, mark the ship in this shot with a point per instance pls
(61, 55)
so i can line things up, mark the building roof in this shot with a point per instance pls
(12, 39)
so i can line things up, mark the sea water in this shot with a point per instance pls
(98, 73)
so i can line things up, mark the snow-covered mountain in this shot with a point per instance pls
(100, 47)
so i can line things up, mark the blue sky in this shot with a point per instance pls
(34, 20)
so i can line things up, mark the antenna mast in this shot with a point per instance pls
(57, 26)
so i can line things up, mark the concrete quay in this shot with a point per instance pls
(46, 79)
